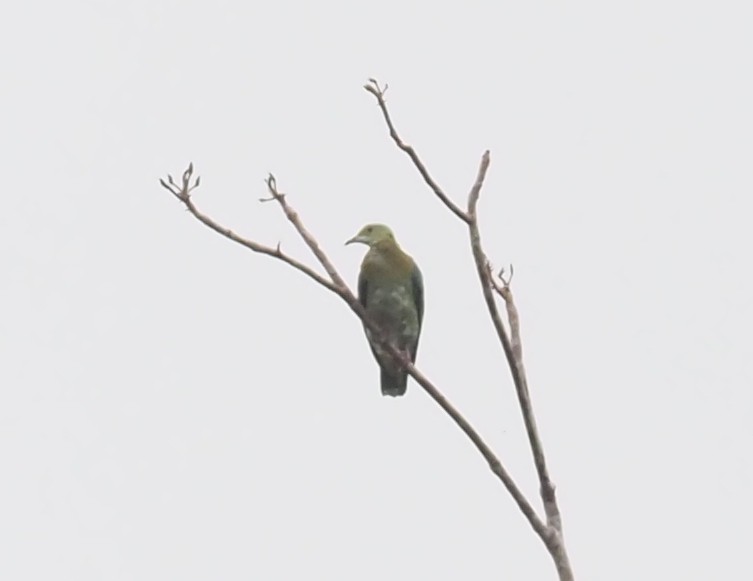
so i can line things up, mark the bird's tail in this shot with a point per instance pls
(394, 384)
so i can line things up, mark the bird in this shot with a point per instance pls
(391, 290)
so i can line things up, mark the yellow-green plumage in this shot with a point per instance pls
(390, 288)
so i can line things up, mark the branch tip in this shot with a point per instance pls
(183, 191)
(501, 281)
(373, 87)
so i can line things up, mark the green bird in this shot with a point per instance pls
(391, 289)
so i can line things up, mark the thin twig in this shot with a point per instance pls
(554, 519)
(373, 87)
(310, 241)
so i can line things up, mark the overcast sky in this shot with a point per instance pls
(173, 406)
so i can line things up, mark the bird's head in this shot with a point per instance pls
(372, 234)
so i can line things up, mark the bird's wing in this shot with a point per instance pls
(417, 286)
(363, 293)
(363, 289)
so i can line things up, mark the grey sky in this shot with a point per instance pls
(174, 407)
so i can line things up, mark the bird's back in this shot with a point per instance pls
(387, 287)
(391, 298)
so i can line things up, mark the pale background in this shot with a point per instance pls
(174, 407)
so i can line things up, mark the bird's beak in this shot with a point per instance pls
(353, 240)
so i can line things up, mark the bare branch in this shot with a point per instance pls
(554, 518)
(494, 463)
(183, 193)
(373, 87)
(513, 350)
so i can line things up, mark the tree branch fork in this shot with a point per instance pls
(493, 286)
